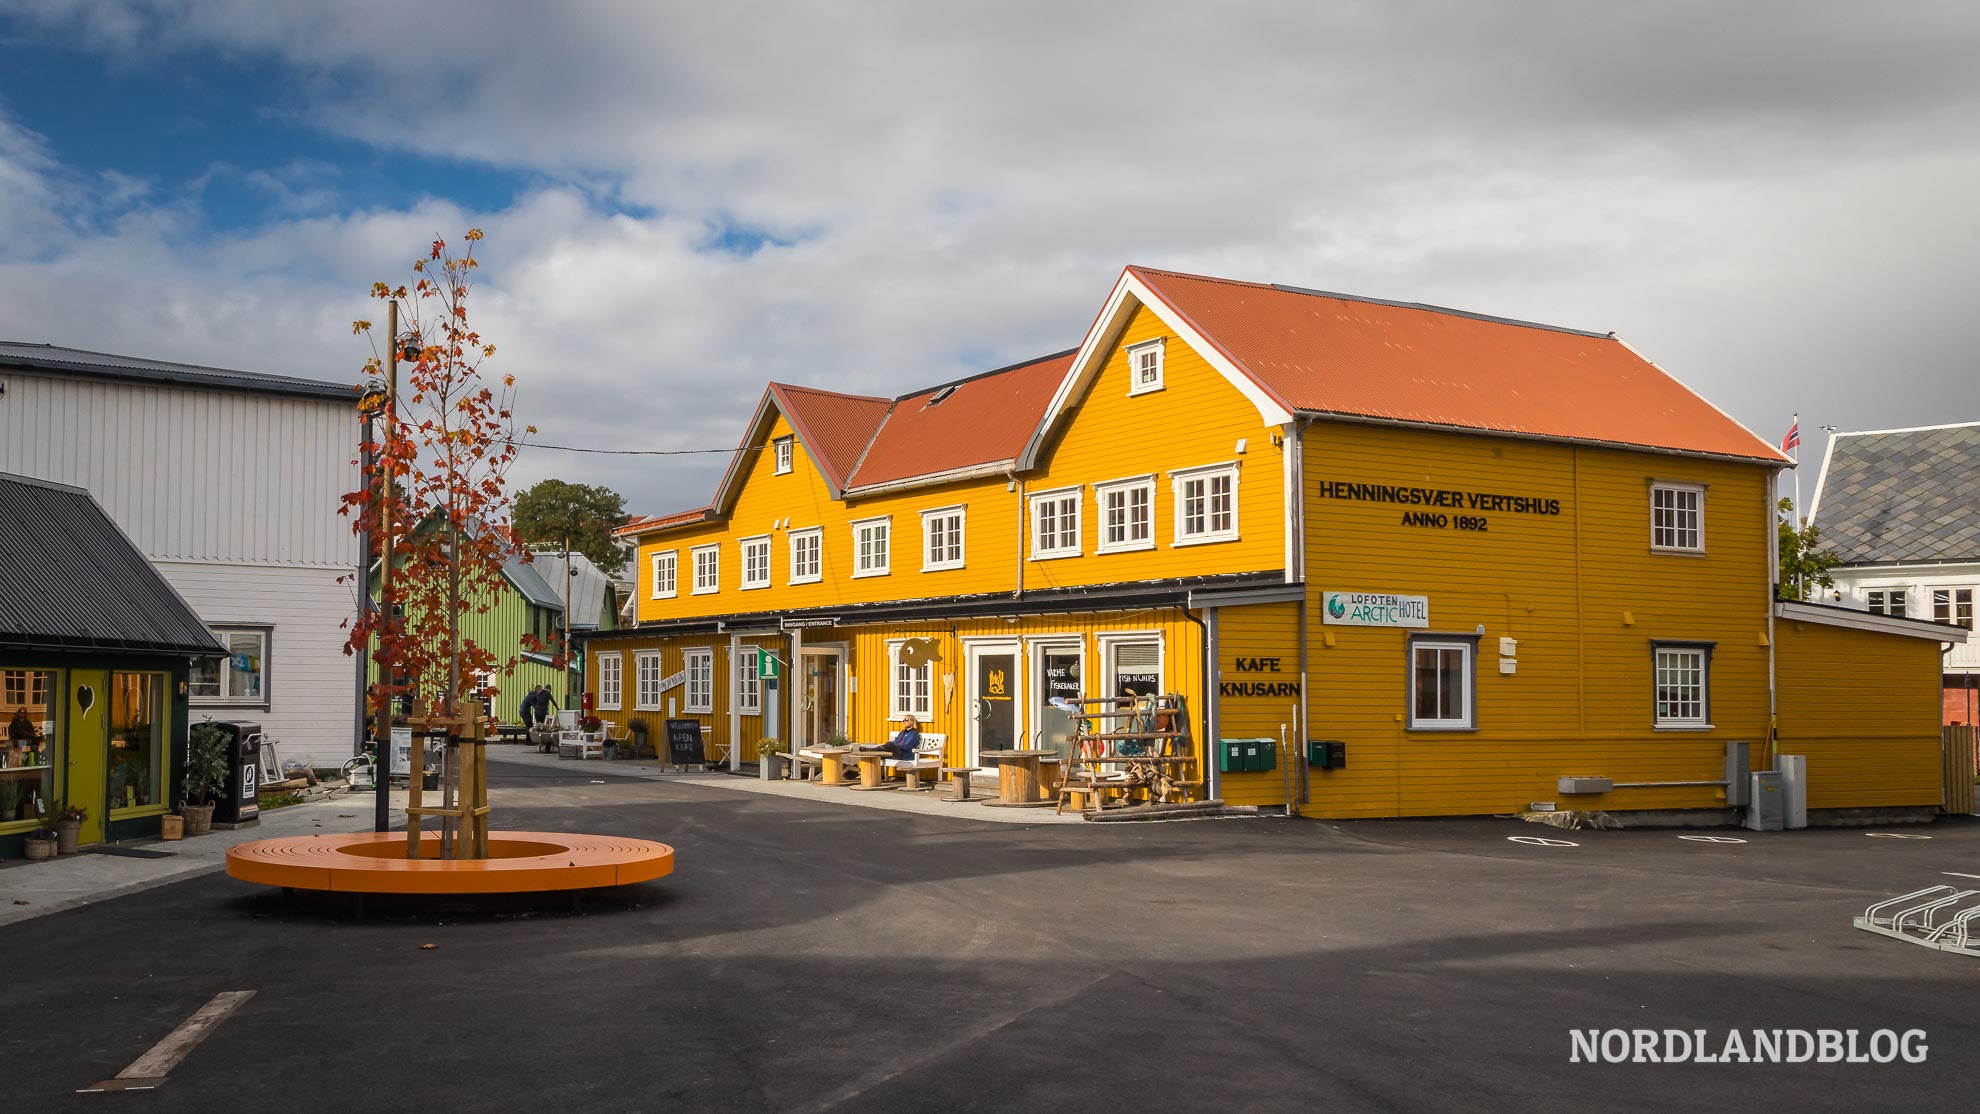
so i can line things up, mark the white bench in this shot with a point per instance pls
(927, 759)
(580, 744)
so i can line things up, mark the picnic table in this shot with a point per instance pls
(1017, 776)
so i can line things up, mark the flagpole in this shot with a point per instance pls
(1796, 427)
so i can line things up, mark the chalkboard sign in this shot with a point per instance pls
(684, 743)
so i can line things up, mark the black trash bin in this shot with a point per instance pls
(240, 801)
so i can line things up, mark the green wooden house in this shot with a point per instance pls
(531, 602)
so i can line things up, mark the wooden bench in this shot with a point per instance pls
(927, 757)
(959, 781)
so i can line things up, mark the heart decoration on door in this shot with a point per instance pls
(85, 698)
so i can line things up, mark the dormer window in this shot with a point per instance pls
(782, 447)
(1145, 367)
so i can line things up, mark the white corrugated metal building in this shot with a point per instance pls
(229, 482)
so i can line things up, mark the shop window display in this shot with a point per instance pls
(27, 756)
(137, 740)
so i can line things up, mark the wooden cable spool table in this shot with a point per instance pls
(1017, 777)
(832, 764)
(872, 769)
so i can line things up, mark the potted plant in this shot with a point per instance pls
(770, 759)
(590, 723)
(41, 843)
(10, 799)
(68, 828)
(206, 776)
(640, 730)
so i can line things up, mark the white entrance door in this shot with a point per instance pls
(822, 695)
(995, 707)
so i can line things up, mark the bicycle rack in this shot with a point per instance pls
(1915, 919)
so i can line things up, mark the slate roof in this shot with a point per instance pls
(1894, 496)
(104, 365)
(74, 581)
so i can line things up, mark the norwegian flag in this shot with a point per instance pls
(1793, 438)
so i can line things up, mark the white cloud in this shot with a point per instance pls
(1776, 209)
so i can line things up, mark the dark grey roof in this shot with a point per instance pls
(1903, 495)
(71, 580)
(102, 365)
(530, 582)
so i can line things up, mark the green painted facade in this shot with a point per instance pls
(500, 630)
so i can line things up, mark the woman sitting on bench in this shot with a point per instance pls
(906, 742)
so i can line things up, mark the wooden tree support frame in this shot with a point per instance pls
(463, 807)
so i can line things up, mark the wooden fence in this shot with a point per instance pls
(1962, 751)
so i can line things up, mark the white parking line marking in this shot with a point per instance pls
(1894, 835)
(1543, 841)
(150, 1069)
(1712, 839)
(1957, 874)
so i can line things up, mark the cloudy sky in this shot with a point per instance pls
(1779, 203)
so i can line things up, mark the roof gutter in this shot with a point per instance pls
(932, 479)
(1544, 438)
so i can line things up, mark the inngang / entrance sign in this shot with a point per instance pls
(1375, 609)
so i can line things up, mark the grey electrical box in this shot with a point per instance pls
(1767, 810)
(1793, 769)
(1572, 785)
(1737, 767)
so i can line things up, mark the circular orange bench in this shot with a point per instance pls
(517, 862)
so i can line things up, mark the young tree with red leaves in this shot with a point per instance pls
(436, 488)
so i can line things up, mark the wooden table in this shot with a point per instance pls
(1017, 777)
(831, 764)
(872, 769)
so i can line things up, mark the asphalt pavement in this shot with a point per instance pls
(810, 956)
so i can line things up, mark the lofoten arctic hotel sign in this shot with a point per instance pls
(1375, 609)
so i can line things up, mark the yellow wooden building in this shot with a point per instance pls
(1440, 560)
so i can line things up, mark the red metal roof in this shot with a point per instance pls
(1331, 353)
(982, 420)
(643, 522)
(835, 428)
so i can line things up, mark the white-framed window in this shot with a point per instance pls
(707, 569)
(647, 675)
(872, 543)
(239, 678)
(755, 561)
(1889, 601)
(1055, 524)
(1127, 514)
(1133, 665)
(807, 555)
(1683, 684)
(1677, 517)
(942, 539)
(1440, 683)
(700, 682)
(661, 570)
(1145, 366)
(749, 687)
(782, 447)
(1206, 504)
(610, 681)
(1953, 606)
(912, 692)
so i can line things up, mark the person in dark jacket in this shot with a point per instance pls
(906, 741)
